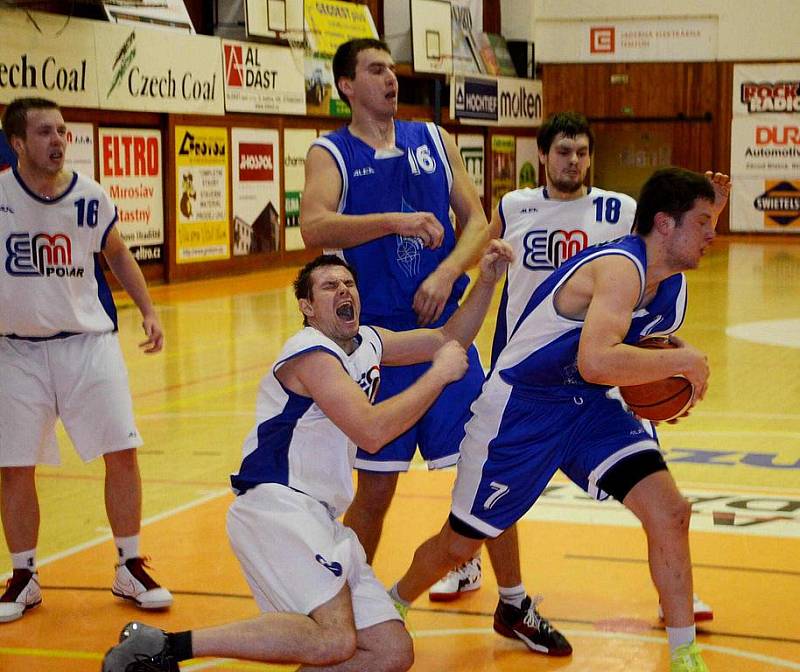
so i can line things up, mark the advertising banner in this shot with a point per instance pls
(527, 161)
(766, 89)
(503, 166)
(80, 148)
(765, 148)
(496, 101)
(296, 142)
(256, 190)
(149, 71)
(131, 172)
(765, 145)
(262, 78)
(332, 22)
(56, 62)
(473, 154)
(616, 40)
(201, 180)
(769, 205)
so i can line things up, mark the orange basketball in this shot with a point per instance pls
(662, 399)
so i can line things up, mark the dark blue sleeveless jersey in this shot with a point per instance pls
(543, 349)
(414, 177)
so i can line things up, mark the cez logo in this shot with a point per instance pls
(42, 255)
(334, 567)
(546, 251)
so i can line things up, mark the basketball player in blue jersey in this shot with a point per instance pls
(545, 405)
(548, 225)
(322, 604)
(59, 352)
(378, 193)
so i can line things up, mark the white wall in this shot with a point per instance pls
(759, 30)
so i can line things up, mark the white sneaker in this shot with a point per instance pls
(22, 593)
(132, 582)
(702, 610)
(460, 580)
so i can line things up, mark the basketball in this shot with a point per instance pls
(662, 399)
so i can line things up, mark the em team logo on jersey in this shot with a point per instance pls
(546, 251)
(41, 254)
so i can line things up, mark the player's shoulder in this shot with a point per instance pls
(85, 184)
(521, 198)
(625, 199)
(307, 338)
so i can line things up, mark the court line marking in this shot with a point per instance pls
(445, 632)
(727, 650)
(108, 536)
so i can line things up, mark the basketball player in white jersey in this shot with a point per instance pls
(59, 353)
(322, 604)
(546, 226)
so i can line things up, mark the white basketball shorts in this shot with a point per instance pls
(82, 380)
(296, 557)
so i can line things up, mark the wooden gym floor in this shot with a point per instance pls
(738, 457)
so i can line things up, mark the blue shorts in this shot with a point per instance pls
(517, 439)
(439, 432)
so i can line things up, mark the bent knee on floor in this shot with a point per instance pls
(395, 652)
(334, 646)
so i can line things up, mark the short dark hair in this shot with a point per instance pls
(673, 191)
(346, 56)
(571, 124)
(302, 284)
(15, 116)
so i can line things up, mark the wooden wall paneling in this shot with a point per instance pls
(564, 87)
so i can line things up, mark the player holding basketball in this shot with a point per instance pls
(572, 342)
(323, 604)
(548, 225)
(378, 192)
(59, 352)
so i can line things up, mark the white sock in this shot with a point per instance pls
(127, 547)
(680, 636)
(24, 560)
(396, 597)
(514, 595)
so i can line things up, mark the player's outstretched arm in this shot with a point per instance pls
(127, 271)
(431, 296)
(419, 345)
(321, 225)
(320, 375)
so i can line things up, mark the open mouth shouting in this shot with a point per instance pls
(346, 311)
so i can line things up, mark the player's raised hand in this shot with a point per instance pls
(722, 189)
(496, 258)
(450, 362)
(155, 335)
(422, 225)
